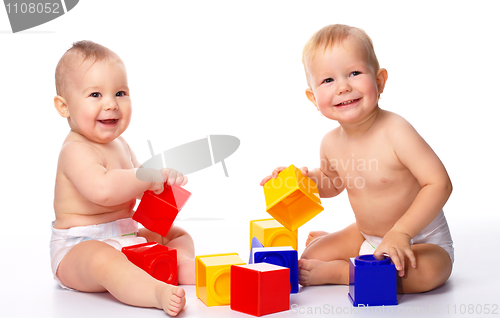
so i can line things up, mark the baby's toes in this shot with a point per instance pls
(176, 301)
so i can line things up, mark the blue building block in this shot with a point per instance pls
(372, 282)
(284, 256)
(255, 244)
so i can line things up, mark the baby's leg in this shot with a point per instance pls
(314, 235)
(433, 269)
(180, 240)
(326, 260)
(94, 266)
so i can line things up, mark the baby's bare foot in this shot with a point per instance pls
(314, 236)
(186, 272)
(172, 299)
(312, 272)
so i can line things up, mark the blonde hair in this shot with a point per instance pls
(334, 34)
(80, 51)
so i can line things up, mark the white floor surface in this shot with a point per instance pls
(28, 290)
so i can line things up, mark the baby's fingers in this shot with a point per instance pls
(401, 260)
(305, 171)
(158, 188)
(174, 177)
(396, 257)
(265, 180)
(277, 171)
(184, 181)
(274, 175)
(411, 256)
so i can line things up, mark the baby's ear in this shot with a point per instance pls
(311, 97)
(381, 79)
(61, 106)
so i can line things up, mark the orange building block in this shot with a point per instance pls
(292, 198)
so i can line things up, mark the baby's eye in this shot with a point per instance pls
(121, 93)
(328, 80)
(355, 73)
(96, 94)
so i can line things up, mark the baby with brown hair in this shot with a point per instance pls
(96, 188)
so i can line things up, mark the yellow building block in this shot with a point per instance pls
(292, 199)
(271, 233)
(213, 273)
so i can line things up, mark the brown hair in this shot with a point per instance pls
(80, 51)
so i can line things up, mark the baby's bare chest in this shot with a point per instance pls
(115, 156)
(368, 165)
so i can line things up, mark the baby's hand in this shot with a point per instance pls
(396, 244)
(157, 185)
(276, 171)
(174, 177)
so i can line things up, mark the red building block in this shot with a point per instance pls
(157, 212)
(158, 260)
(260, 289)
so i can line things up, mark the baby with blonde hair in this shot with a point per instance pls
(398, 186)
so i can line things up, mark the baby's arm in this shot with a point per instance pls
(85, 169)
(326, 176)
(171, 176)
(415, 154)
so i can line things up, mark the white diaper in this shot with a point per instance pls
(119, 233)
(437, 232)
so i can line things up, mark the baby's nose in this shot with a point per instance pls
(343, 87)
(111, 104)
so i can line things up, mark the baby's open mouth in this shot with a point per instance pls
(347, 102)
(108, 121)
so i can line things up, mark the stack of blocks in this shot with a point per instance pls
(263, 286)
(283, 256)
(372, 282)
(255, 289)
(157, 212)
(292, 198)
(157, 260)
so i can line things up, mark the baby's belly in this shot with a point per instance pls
(68, 220)
(377, 213)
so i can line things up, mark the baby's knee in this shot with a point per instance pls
(177, 232)
(312, 253)
(102, 256)
(433, 270)
(433, 278)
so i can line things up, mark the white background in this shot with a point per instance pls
(228, 67)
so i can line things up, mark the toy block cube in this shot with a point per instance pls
(213, 274)
(157, 212)
(284, 256)
(372, 282)
(271, 233)
(260, 289)
(291, 198)
(157, 260)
